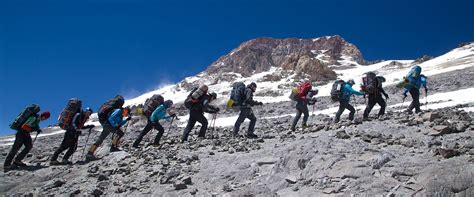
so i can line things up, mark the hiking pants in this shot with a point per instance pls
(245, 112)
(344, 104)
(69, 142)
(301, 108)
(415, 103)
(21, 138)
(375, 99)
(195, 116)
(150, 125)
(107, 129)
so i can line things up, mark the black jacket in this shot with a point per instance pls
(248, 99)
(203, 105)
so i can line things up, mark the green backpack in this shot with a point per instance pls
(24, 115)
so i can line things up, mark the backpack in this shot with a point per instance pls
(189, 101)
(151, 104)
(236, 95)
(413, 74)
(73, 106)
(109, 106)
(369, 83)
(336, 90)
(29, 111)
(300, 91)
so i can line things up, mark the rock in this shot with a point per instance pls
(97, 192)
(381, 160)
(194, 192)
(227, 188)
(267, 161)
(187, 180)
(341, 134)
(212, 153)
(430, 116)
(291, 179)
(58, 183)
(440, 130)
(447, 153)
(102, 177)
(180, 185)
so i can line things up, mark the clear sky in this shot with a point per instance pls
(51, 50)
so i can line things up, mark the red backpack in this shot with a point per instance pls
(304, 88)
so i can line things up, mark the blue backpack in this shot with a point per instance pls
(237, 94)
(414, 73)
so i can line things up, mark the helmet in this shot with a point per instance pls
(213, 95)
(351, 81)
(168, 103)
(45, 115)
(253, 86)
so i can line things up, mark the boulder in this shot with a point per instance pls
(430, 116)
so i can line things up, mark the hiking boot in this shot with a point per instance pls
(251, 135)
(54, 163)
(114, 149)
(90, 157)
(66, 162)
(408, 111)
(19, 163)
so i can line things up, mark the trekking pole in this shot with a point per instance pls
(213, 124)
(35, 138)
(171, 124)
(85, 145)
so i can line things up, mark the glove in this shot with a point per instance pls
(172, 115)
(405, 95)
(386, 96)
(260, 103)
(426, 91)
(79, 132)
(39, 131)
(129, 118)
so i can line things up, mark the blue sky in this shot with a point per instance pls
(51, 51)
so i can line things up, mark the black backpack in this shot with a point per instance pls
(109, 106)
(73, 106)
(336, 90)
(237, 94)
(29, 111)
(189, 101)
(369, 83)
(152, 103)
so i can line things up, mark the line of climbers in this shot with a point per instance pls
(113, 115)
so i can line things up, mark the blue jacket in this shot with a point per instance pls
(347, 92)
(116, 118)
(416, 83)
(159, 114)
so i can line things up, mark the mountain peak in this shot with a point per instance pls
(306, 57)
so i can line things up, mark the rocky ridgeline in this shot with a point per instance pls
(303, 58)
(429, 153)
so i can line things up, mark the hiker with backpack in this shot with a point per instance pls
(198, 102)
(244, 101)
(153, 122)
(344, 92)
(303, 95)
(25, 123)
(372, 86)
(72, 123)
(412, 83)
(110, 116)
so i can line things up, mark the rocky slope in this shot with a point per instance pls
(428, 154)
